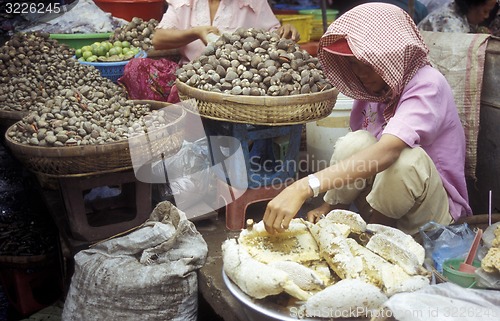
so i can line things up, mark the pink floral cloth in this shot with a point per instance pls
(150, 79)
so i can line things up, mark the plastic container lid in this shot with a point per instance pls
(331, 14)
(78, 40)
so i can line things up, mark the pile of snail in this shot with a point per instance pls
(138, 32)
(67, 103)
(255, 62)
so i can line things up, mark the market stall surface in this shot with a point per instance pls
(215, 301)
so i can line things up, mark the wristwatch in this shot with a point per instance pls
(314, 184)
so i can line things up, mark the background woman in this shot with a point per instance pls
(187, 23)
(458, 16)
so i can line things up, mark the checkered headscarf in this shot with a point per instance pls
(383, 36)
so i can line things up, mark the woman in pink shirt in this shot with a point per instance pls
(403, 163)
(187, 23)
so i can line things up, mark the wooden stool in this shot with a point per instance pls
(259, 178)
(104, 217)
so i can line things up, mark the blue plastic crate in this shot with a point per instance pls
(113, 70)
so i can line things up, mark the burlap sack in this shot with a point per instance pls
(149, 274)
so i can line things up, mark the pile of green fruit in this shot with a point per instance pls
(107, 51)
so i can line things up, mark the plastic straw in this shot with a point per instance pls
(489, 209)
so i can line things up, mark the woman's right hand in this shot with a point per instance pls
(203, 31)
(288, 31)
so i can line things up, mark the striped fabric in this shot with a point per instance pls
(383, 36)
(460, 58)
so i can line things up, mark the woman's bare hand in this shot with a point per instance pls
(283, 208)
(203, 31)
(316, 214)
(288, 31)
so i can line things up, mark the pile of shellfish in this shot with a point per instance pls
(29, 64)
(257, 63)
(83, 116)
(34, 68)
(138, 32)
(67, 103)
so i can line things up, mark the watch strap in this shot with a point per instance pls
(314, 184)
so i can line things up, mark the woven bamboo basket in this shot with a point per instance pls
(258, 110)
(73, 161)
(9, 118)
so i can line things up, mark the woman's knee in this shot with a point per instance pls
(412, 161)
(351, 143)
(412, 172)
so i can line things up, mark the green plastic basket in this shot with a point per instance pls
(317, 14)
(451, 272)
(78, 40)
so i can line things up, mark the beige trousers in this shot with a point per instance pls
(410, 190)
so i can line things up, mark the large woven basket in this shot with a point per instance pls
(71, 161)
(8, 118)
(258, 110)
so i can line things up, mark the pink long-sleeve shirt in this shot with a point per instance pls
(425, 116)
(231, 15)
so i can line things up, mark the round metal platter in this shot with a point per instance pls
(269, 308)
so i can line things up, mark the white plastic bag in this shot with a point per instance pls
(445, 302)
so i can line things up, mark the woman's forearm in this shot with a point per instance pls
(173, 38)
(363, 164)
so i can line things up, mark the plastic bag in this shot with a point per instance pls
(190, 178)
(444, 302)
(81, 16)
(443, 242)
(151, 79)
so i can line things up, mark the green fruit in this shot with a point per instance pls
(86, 48)
(78, 53)
(126, 50)
(92, 58)
(108, 44)
(101, 51)
(117, 44)
(114, 58)
(125, 44)
(128, 56)
(113, 52)
(86, 54)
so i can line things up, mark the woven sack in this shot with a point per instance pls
(149, 274)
